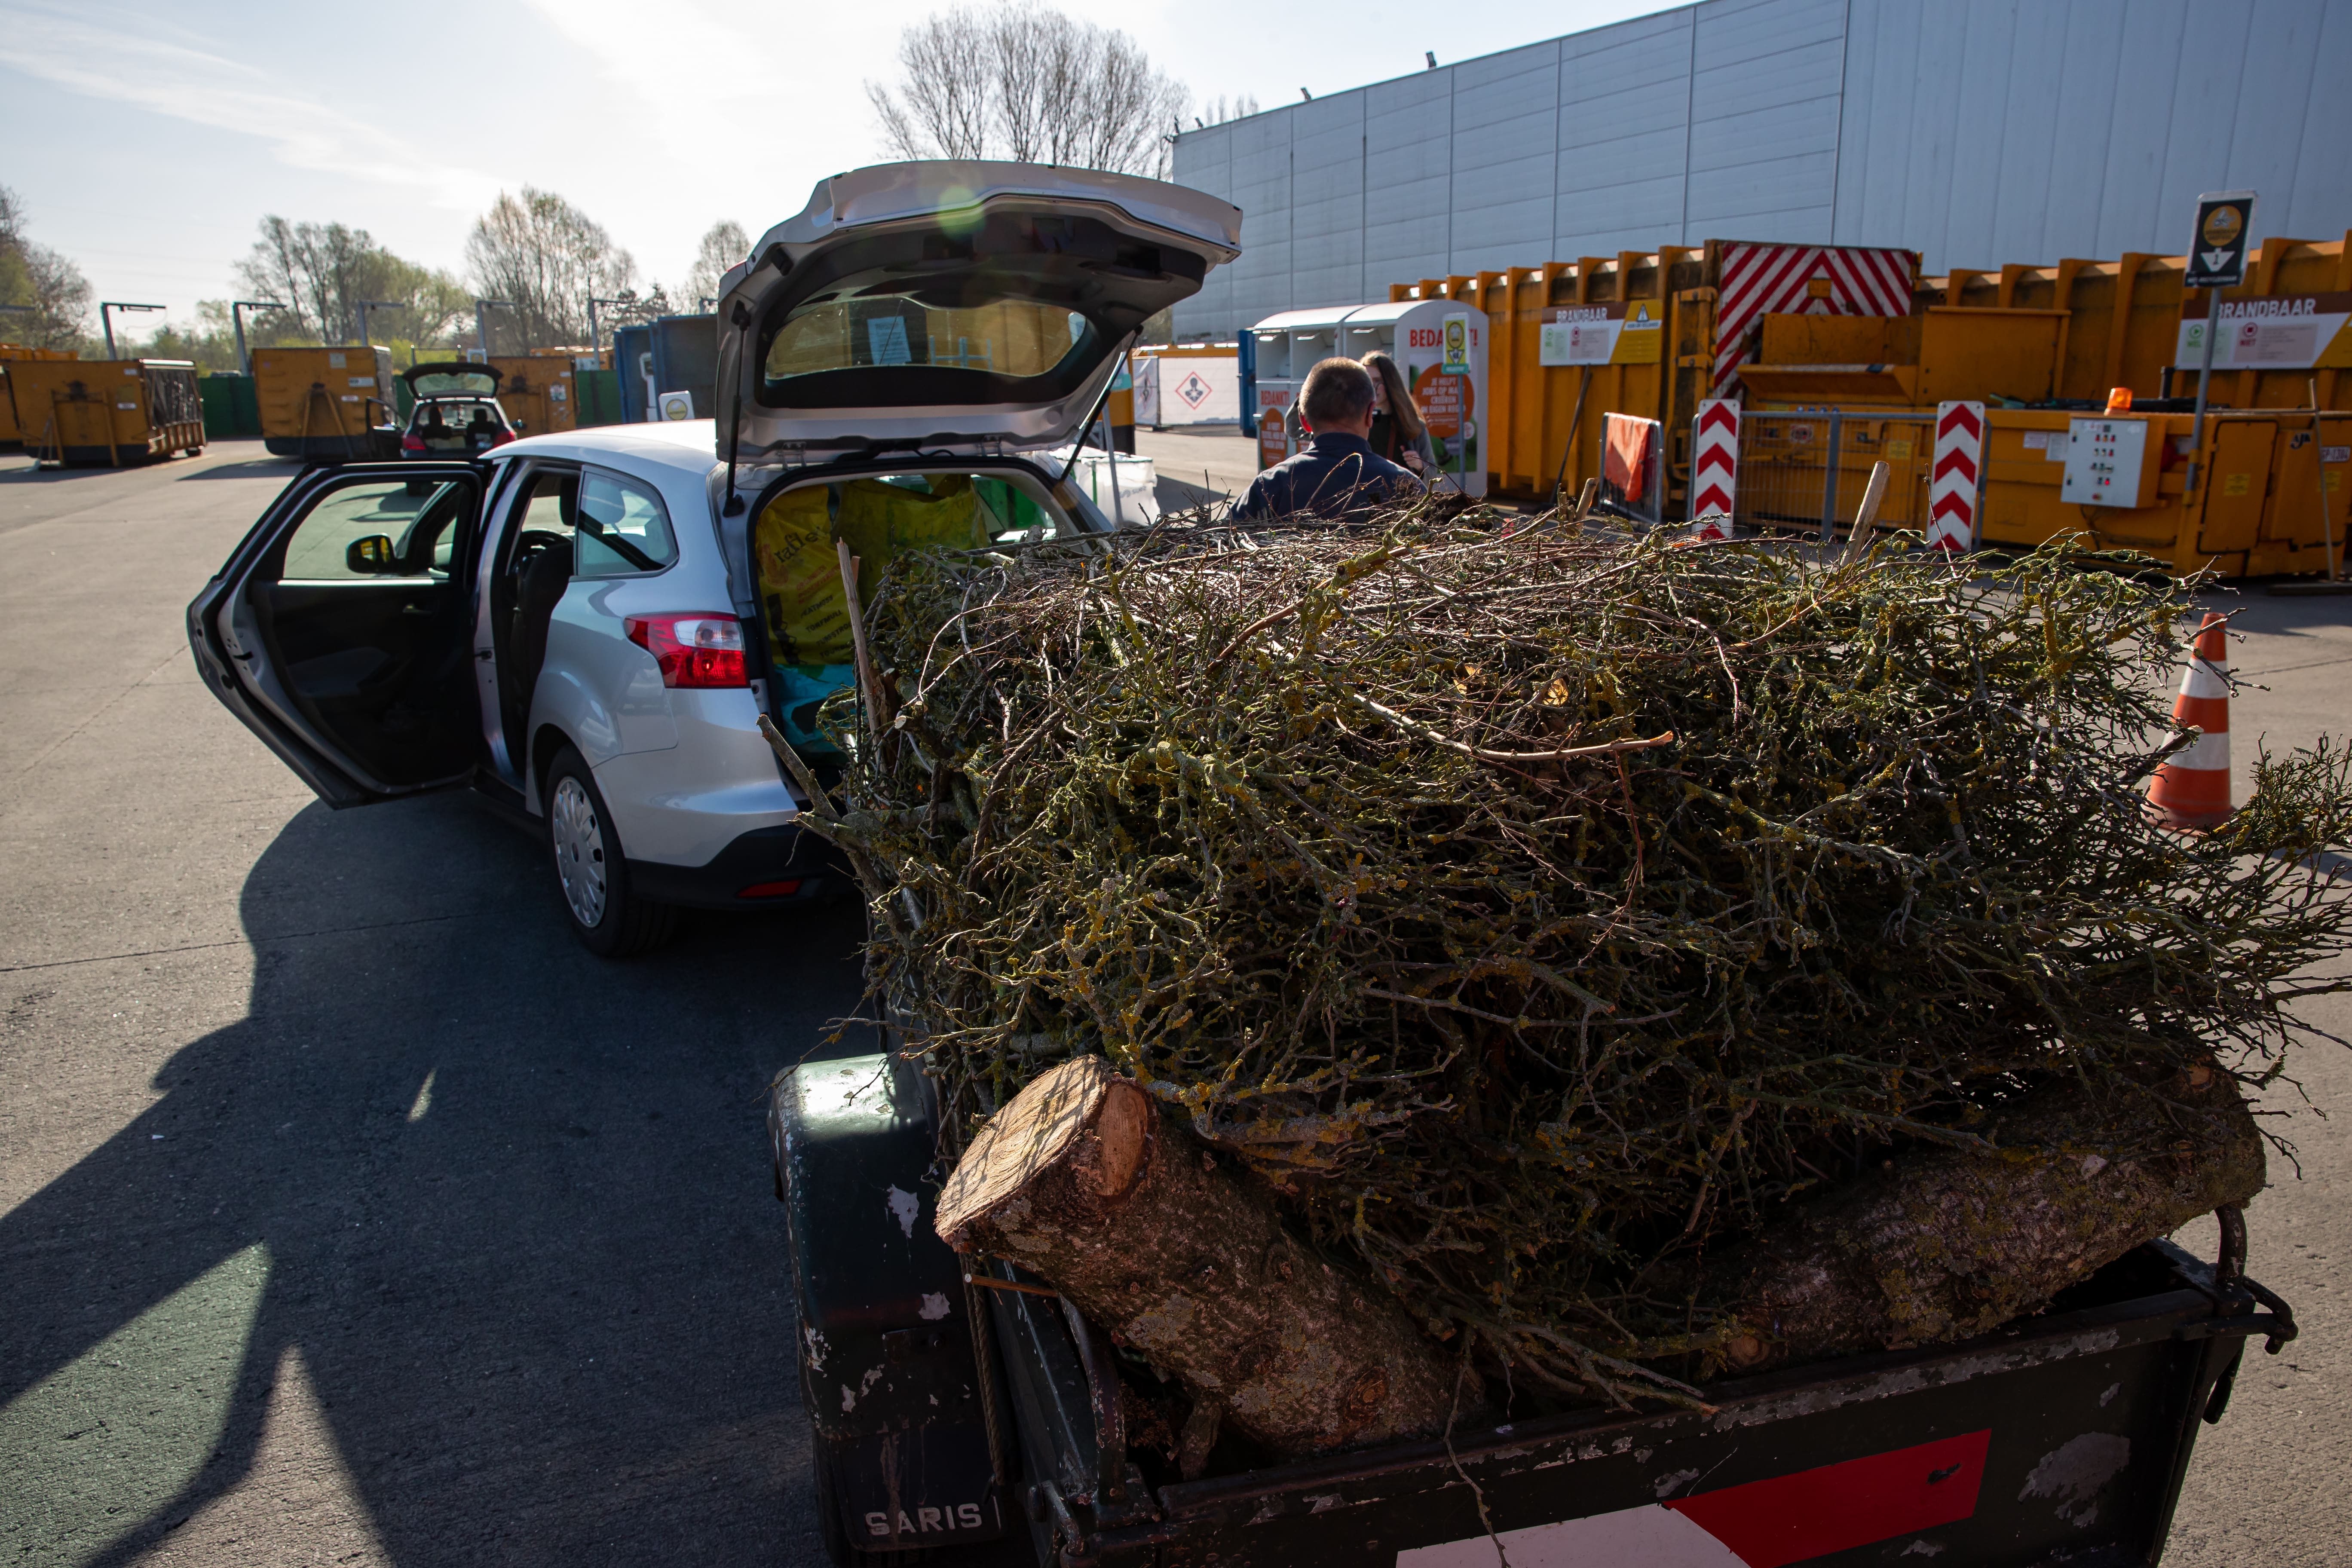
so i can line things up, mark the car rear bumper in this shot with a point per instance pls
(767, 865)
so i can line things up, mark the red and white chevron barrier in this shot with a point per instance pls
(1957, 480)
(1715, 468)
(1757, 280)
(1763, 1524)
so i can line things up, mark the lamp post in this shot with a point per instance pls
(594, 340)
(236, 309)
(481, 330)
(106, 308)
(367, 305)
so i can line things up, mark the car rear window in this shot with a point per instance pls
(624, 529)
(1007, 337)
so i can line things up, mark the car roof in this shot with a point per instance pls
(687, 445)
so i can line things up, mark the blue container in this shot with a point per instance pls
(1245, 355)
(632, 360)
(686, 359)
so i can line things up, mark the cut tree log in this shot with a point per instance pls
(1947, 1243)
(1080, 1181)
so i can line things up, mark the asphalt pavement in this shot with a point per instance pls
(350, 1213)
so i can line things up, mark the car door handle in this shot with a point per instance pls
(483, 655)
(415, 610)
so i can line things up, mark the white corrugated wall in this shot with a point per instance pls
(1977, 132)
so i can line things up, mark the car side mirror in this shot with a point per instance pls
(370, 555)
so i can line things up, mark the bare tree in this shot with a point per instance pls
(723, 245)
(1216, 110)
(320, 272)
(545, 256)
(34, 274)
(1018, 79)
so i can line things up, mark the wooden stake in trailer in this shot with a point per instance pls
(958, 1414)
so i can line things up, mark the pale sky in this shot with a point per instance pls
(147, 139)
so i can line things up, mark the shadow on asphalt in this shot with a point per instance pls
(544, 1306)
(253, 469)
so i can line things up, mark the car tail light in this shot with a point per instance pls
(771, 890)
(503, 437)
(412, 443)
(693, 650)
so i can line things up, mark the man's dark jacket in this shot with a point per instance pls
(1337, 478)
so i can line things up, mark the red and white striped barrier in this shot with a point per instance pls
(1957, 480)
(1715, 468)
(1756, 281)
(1763, 1524)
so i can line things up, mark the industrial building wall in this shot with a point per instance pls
(1977, 132)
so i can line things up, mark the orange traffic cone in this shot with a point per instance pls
(2192, 790)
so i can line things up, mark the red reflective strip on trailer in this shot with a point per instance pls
(1839, 1507)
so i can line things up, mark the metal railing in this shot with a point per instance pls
(1808, 470)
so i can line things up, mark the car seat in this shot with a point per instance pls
(540, 584)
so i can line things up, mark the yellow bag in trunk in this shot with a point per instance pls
(800, 580)
(883, 521)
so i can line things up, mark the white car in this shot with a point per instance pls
(588, 625)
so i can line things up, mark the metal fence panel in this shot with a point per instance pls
(1808, 470)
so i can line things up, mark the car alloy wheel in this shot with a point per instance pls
(579, 841)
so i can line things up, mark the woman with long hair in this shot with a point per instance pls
(1398, 433)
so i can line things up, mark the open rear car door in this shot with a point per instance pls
(950, 307)
(339, 631)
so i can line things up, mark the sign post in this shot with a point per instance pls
(1456, 361)
(2217, 260)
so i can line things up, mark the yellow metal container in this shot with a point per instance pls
(536, 391)
(83, 412)
(11, 436)
(1544, 423)
(323, 401)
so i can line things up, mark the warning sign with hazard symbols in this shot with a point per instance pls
(2217, 257)
(2286, 332)
(1601, 334)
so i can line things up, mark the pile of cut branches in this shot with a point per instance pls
(1540, 912)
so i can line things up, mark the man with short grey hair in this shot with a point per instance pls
(1338, 477)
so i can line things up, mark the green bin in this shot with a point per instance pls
(232, 411)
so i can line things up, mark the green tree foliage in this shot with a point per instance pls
(34, 276)
(320, 272)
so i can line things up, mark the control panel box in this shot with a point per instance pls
(2106, 464)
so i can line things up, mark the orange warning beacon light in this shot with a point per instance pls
(2119, 400)
(2192, 790)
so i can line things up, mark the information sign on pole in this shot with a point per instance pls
(2217, 256)
(2217, 259)
(1457, 346)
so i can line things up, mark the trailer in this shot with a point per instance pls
(973, 1414)
(83, 413)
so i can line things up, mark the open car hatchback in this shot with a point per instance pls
(457, 411)
(588, 626)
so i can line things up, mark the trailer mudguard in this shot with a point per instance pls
(888, 1371)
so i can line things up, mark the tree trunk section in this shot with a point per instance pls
(1080, 1181)
(1947, 1243)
